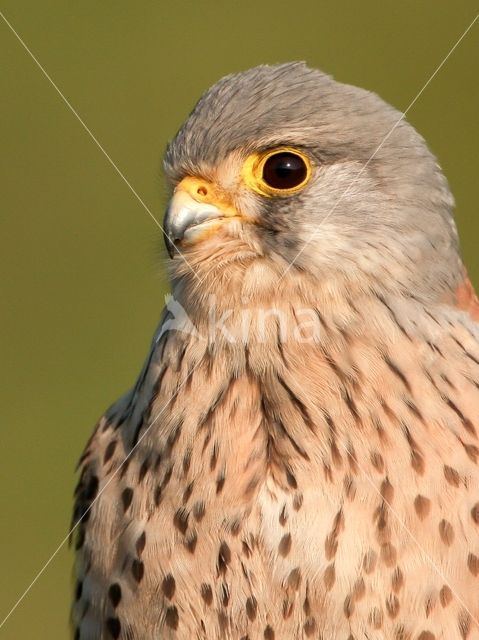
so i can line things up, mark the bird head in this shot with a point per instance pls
(282, 171)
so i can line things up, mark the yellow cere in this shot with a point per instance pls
(252, 172)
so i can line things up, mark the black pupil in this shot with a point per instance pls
(284, 170)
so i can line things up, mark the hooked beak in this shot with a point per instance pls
(195, 211)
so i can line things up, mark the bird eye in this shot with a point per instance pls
(280, 171)
(284, 170)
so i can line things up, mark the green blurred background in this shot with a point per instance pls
(82, 280)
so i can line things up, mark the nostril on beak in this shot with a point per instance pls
(202, 191)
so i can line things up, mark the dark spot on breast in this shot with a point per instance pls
(359, 590)
(369, 561)
(377, 461)
(294, 579)
(445, 595)
(157, 495)
(206, 593)
(417, 461)
(422, 505)
(168, 586)
(388, 554)
(397, 579)
(383, 529)
(214, 457)
(398, 373)
(452, 476)
(475, 513)
(297, 501)
(473, 564)
(225, 595)
(330, 546)
(187, 492)
(268, 633)
(349, 487)
(446, 532)
(140, 543)
(348, 607)
(124, 467)
(429, 604)
(413, 409)
(113, 626)
(143, 469)
(307, 606)
(220, 483)
(137, 570)
(464, 623)
(235, 527)
(284, 546)
(224, 557)
(191, 541)
(392, 605)
(290, 479)
(157, 463)
(173, 439)
(187, 461)
(199, 510)
(387, 491)
(172, 618)
(335, 455)
(126, 497)
(472, 451)
(329, 576)
(180, 520)
(167, 477)
(109, 451)
(91, 488)
(251, 608)
(114, 593)
(465, 421)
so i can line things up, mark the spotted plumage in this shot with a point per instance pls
(280, 479)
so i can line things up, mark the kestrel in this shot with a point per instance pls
(299, 456)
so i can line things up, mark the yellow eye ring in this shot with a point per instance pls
(277, 172)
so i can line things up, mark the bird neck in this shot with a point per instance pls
(262, 309)
(286, 408)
